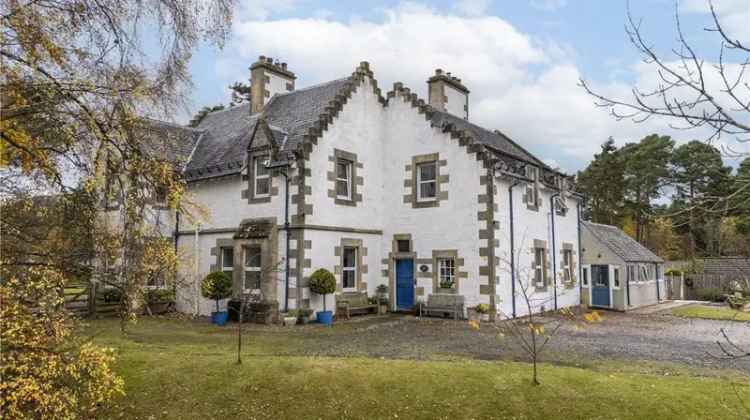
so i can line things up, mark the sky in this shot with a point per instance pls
(521, 59)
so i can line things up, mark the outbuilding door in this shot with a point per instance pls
(600, 286)
(404, 284)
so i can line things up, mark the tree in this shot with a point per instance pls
(699, 175)
(602, 182)
(197, 118)
(693, 92)
(77, 91)
(216, 286)
(240, 93)
(646, 172)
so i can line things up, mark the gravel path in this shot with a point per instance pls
(624, 337)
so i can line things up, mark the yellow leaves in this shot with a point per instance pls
(474, 325)
(592, 317)
(537, 329)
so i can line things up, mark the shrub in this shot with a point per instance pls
(216, 286)
(672, 272)
(482, 308)
(711, 294)
(322, 282)
(160, 295)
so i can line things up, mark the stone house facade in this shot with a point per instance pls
(343, 177)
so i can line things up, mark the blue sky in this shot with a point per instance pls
(521, 59)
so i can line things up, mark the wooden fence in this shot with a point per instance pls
(87, 300)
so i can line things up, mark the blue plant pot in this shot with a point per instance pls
(219, 318)
(325, 317)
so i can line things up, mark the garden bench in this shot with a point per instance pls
(445, 303)
(349, 302)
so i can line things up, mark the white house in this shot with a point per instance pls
(380, 190)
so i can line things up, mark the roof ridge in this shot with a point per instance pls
(317, 85)
(174, 125)
(230, 108)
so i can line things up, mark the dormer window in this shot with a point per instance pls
(344, 179)
(531, 197)
(427, 181)
(261, 175)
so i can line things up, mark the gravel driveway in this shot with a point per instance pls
(620, 336)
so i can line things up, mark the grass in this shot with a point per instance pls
(711, 312)
(186, 370)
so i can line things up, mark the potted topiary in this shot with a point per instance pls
(217, 286)
(483, 310)
(323, 282)
(290, 318)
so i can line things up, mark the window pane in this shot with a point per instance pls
(260, 167)
(262, 186)
(348, 279)
(427, 190)
(427, 171)
(342, 170)
(342, 189)
(402, 245)
(349, 257)
(252, 256)
(227, 257)
(252, 279)
(538, 256)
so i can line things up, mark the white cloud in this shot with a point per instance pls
(472, 7)
(547, 5)
(734, 15)
(527, 89)
(263, 9)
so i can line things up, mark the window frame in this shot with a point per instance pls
(585, 279)
(420, 181)
(353, 269)
(532, 188)
(642, 273)
(228, 269)
(261, 159)
(616, 278)
(538, 266)
(568, 265)
(349, 165)
(447, 273)
(251, 268)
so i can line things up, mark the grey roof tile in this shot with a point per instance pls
(730, 267)
(621, 244)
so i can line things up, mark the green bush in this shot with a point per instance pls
(160, 295)
(711, 294)
(322, 282)
(216, 286)
(482, 308)
(672, 272)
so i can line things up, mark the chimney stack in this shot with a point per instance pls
(268, 78)
(446, 93)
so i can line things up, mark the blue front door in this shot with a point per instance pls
(404, 284)
(600, 285)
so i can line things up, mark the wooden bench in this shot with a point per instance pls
(445, 303)
(349, 302)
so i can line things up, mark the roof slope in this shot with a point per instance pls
(493, 139)
(172, 142)
(621, 244)
(731, 267)
(223, 147)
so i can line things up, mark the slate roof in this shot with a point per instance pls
(172, 142)
(226, 133)
(731, 267)
(492, 139)
(621, 244)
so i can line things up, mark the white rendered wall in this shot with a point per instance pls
(456, 100)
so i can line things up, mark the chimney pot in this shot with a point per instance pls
(438, 72)
(261, 58)
(449, 74)
(283, 66)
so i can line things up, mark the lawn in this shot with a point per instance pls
(186, 370)
(710, 312)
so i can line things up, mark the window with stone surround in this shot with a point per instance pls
(261, 177)
(427, 181)
(227, 260)
(349, 269)
(343, 180)
(531, 196)
(251, 279)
